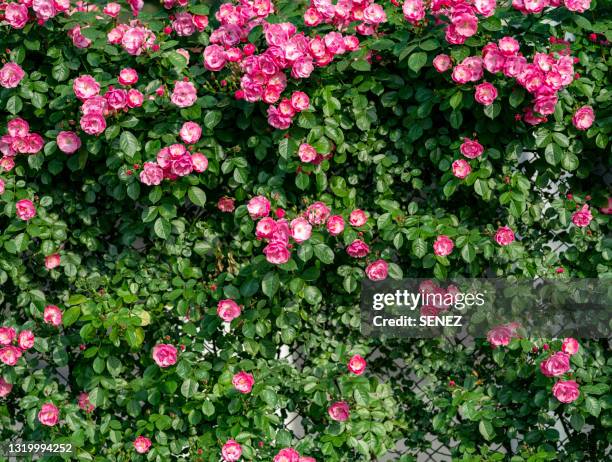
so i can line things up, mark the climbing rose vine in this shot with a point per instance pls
(191, 193)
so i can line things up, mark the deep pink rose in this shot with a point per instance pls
(10, 75)
(128, 76)
(583, 118)
(566, 391)
(300, 101)
(68, 142)
(339, 411)
(190, 132)
(226, 204)
(307, 153)
(501, 335)
(265, 228)
(277, 253)
(52, 261)
(52, 315)
(485, 94)
(151, 174)
(7, 335)
(231, 451)
(199, 161)
(142, 444)
(508, 46)
(5, 387)
(358, 218)
(85, 87)
(461, 168)
(301, 230)
(442, 63)
(357, 365)
(318, 213)
(134, 98)
(214, 58)
(25, 209)
(582, 218)
(377, 270)
(504, 236)
(25, 340)
(85, 404)
(471, 148)
(16, 15)
(164, 354)
(557, 364)
(9, 355)
(570, 346)
(183, 24)
(94, 105)
(358, 249)
(443, 246)
(112, 9)
(93, 124)
(287, 455)
(335, 225)
(243, 382)
(258, 207)
(228, 310)
(579, 6)
(116, 98)
(48, 414)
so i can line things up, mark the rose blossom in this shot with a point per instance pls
(265, 228)
(112, 9)
(52, 261)
(557, 364)
(142, 444)
(25, 340)
(116, 98)
(52, 315)
(151, 174)
(10, 75)
(461, 168)
(228, 310)
(258, 207)
(307, 153)
(128, 76)
(339, 411)
(5, 387)
(377, 270)
(570, 346)
(442, 63)
(508, 46)
(48, 415)
(190, 132)
(485, 94)
(68, 142)
(9, 355)
(582, 217)
(276, 253)
(134, 98)
(7, 335)
(358, 249)
(85, 404)
(357, 365)
(184, 94)
(85, 87)
(301, 230)
(199, 161)
(566, 391)
(93, 124)
(317, 213)
(335, 225)
(243, 382)
(164, 354)
(214, 58)
(300, 101)
(443, 246)
(501, 335)
(2, 186)
(231, 451)
(583, 118)
(358, 218)
(226, 204)
(579, 6)
(504, 236)
(287, 455)
(25, 209)
(16, 15)
(471, 148)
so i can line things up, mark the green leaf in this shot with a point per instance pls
(486, 430)
(189, 388)
(14, 104)
(270, 284)
(313, 295)
(419, 248)
(324, 253)
(417, 60)
(129, 144)
(197, 196)
(592, 406)
(162, 228)
(71, 316)
(468, 253)
(212, 119)
(361, 65)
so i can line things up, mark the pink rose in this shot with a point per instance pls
(464, 24)
(339, 411)
(301, 230)
(151, 174)
(582, 217)
(231, 451)
(16, 15)
(287, 455)
(243, 382)
(190, 132)
(52, 315)
(300, 101)
(52, 261)
(164, 354)
(461, 74)
(358, 218)
(501, 335)
(374, 14)
(25, 340)
(377, 270)
(471, 148)
(25, 209)
(200, 21)
(583, 118)
(112, 9)
(318, 213)
(485, 7)
(508, 46)
(85, 87)
(5, 387)
(128, 76)
(442, 63)
(68, 142)
(302, 67)
(265, 228)
(85, 404)
(214, 58)
(18, 127)
(485, 94)
(357, 365)
(93, 124)
(579, 6)
(184, 94)
(142, 444)
(226, 204)
(9, 355)
(307, 153)
(414, 10)
(566, 391)
(228, 310)
(7, 335)
(10, 75)
(134, 98)
(2, 186)
(258, 207)
(461, 168)
(199, 161)
(570, 346)
(116, 98)
(443, 246)
(277, 253)
(504, 236)
(94, 105)
(358, 249)
(557, 364)
(335, 225)
(48, 414)
(183, 24)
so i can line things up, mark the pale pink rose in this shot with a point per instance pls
(184, 94)
(231, 451)
(485, 93)
(501, 335)
(226, 204)
(307, 153)
(442, 63)
(557, 364)
(414, 10)
(302, 67)
(583, 118)
(136, 39)
(287, 455)
(508, 46)
(9, 355)
(566, 391)
(112, 9)
(18, 127)
(85, 404)
(10, 75)
(134, 98)
(228, 310)
(301, 230)
(357, 365)
(48, 414)
(339, 411)
(265, 228)
(190, 132)
(44, 9)
(358, 218)
(94, 105)
(579, 6)
(68, 142)
(199, 161)
(475, 65)
(471, 148)
(243, 382)
(214, 58)
(85, 87)
(461, 168)
(277, 253)
(300, 101)
(52, 261)
(25, 340)
(570, 346)
(374, 14)
(151, 174)
(7, 335)
(485, 7)
(335, 225)
(128, 76)
(358, 249)
(164, 354)
(93, 124)
(25, 209)
(142, 444)
(5, 387)
(582, 218)
(504, 236)
(443, 246)
(464, 24)
(52, 315)
(318, 213)
(258, 207)
(16, 15)
(461, 74)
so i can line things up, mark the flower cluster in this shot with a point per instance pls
(558, 364)
(9, 353)
(537, 6)
(133, 37)
(366, 13)
(17, 15)
(18, 140)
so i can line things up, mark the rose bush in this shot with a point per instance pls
(190, 192)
